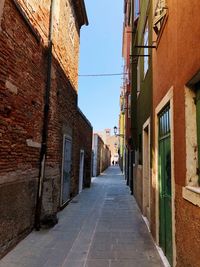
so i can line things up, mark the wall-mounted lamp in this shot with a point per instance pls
(116, 134)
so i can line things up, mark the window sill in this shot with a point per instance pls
(192, 194)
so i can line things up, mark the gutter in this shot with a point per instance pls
(43, 151)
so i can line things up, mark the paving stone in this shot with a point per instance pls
(132, 263)
(73, 263)
(97, 263)
(103, 227)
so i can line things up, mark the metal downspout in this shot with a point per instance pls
(43, 151)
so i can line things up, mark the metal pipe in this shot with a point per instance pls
(43, 150)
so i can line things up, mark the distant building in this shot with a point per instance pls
(113, 145)
(105, 134)
(112, 141)
(101, 155)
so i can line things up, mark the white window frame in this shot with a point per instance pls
(191, 192)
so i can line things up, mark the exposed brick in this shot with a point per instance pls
(23, 70)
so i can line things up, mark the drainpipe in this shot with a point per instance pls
(43, 151)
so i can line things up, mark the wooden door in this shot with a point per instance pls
(81, 170)
(146, 172)
(66, 175)
(165, 203)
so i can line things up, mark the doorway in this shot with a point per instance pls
(146, 170)
(165, 188)
(66, 170)
(81, 171)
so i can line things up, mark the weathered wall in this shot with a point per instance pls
(113, 145)
(23, 60)
(141, 94)
(21, 112)
(106, 156)
(102, 155)
(176, 60)
(66, 54)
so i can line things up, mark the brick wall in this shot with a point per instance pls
(21, 112)
(23, 71)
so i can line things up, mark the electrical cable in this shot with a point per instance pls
(102, 74)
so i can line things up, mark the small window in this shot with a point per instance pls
(122, 104)
(138, 77)
(146, 49)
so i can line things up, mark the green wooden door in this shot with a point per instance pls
(165, 231)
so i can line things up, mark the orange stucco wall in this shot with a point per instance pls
(175, 61)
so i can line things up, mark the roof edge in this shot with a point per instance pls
(86, 22)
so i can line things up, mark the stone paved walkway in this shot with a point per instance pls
(102, 227)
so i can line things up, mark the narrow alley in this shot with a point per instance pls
(101, 227)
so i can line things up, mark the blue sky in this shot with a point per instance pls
(100, 52)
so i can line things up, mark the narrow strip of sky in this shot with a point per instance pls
(101, 49)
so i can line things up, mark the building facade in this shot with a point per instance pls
(113, 145)
(101, 155)
(40, 135)
(142, 99)
(165, 124)
(175, 134)
(125, 117)
(112, 142)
